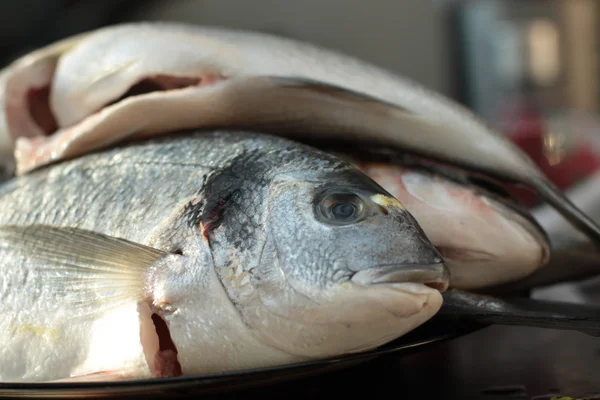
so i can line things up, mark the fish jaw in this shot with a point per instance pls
(212, 334)
(350, 318)
(483, 242)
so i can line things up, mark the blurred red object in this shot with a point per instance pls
(524, 126)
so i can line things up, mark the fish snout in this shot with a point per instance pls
(436, 276)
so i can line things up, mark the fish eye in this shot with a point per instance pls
(341, 208)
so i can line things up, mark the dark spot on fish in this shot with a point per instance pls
(177, 251)
(212, 217)
(384, 210)
(165, 360)
(235, 193)
(192, 213)
(233, 197)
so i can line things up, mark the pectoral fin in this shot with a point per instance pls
(109, 270)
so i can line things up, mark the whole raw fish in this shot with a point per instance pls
(204, 252)
(137, 80)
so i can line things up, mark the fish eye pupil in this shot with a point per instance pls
(343, 210)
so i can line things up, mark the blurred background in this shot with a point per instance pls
(528, 67)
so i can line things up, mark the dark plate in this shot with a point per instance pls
(429, 334)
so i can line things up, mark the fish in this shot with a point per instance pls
(204, 252)
(485, 239)
(149, 78)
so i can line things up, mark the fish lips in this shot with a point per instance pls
(436, 276)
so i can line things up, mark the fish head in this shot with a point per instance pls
(309, 258)
(345, 267)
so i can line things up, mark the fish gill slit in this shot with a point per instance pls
(165, 360)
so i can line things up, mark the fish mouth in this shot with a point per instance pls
(436, 276)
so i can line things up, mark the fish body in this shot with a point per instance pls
(153, 78)
(205, 252)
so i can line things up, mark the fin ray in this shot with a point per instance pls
(96, 271)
